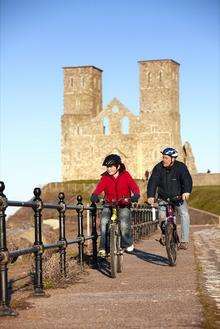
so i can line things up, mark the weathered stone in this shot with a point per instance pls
(87, 138)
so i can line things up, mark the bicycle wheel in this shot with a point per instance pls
(119, 254)
(171, 246)
(113, 250)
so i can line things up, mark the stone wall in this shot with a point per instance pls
(206, 179)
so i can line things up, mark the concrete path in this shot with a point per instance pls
(148, 294)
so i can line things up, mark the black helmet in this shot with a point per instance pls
(112, 160)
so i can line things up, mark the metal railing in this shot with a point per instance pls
(144, 223)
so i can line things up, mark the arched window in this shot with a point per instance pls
(149, 76)
(82, 82)
(71, 82)
(125, 125)
(115, 109)
(77, 130)
(105, 122)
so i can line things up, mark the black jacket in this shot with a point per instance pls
(169, 182)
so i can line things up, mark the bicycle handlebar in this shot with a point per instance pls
(171, 201)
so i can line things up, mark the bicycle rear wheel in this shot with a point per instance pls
(119, 255)
(113, 250)
(171, 245)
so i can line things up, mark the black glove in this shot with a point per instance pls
(135, 197)
(94, 198)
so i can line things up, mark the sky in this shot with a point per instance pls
(40, 37)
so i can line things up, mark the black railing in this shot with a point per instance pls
(144, 223)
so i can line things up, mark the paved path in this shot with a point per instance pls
(148, 294)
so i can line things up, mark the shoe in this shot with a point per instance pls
(183, 245)
(162, 240)
(130, 248)
(102, 253)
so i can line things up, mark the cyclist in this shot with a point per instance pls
(170, 178)
(118, 186)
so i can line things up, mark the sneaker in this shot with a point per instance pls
(162, 240)
(130, 248)
(183, 245)
(102, 253)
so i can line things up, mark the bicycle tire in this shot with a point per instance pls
(171, 245)
(113, 250)
(119, 255)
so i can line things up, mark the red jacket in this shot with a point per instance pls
(116, 188)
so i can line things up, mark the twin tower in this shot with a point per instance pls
(90, 132)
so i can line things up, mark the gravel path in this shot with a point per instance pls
(148, 294)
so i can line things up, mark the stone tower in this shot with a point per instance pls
(82, 91)
(82, 102)
(159, 96)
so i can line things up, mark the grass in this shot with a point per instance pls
(206, 198)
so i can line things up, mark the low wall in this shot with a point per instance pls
(206, 179)
(201, 217)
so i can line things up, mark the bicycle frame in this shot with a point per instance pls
(169, 229)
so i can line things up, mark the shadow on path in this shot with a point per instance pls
(103, 266)
(150, 258)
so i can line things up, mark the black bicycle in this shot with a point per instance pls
(116, 252)
(114, 249)
(169, 230)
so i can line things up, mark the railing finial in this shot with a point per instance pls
(37, 192)
(61, 196)
(2, 187)
(79, 199)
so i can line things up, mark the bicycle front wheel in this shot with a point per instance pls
(119, 255)
(113, 250)
(171, 245)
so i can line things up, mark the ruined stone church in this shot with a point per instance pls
(90, 132)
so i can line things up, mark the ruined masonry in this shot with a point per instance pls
(90, 132)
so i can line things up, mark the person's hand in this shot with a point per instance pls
(185, 196)
(135, 197)
(94, 198)
(150, 200)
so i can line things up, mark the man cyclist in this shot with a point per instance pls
(170, 178)
(117, 185)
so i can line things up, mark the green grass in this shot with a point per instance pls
(206, 198)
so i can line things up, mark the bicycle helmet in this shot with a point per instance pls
(112, 160)
(170, 151)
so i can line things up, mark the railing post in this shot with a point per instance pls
(37, 207)
(62, 233)
(80, 230)
(5, 308)
(93, 214)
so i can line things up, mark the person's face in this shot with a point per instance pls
(167, 161)
(112, 170)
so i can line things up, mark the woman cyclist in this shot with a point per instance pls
(117, 185)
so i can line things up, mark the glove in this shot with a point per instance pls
(135, 197)
(185, 196)
(94, 198)
(150, 200)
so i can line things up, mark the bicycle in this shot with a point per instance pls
(114, 250)
(169, 230)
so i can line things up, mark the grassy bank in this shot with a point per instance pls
(206, 198)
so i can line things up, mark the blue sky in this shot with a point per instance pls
(39, 37)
